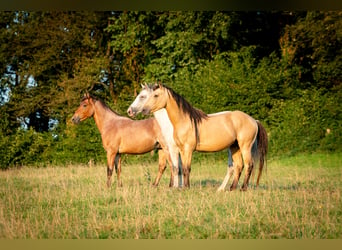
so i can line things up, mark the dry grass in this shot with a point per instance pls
(299, 197)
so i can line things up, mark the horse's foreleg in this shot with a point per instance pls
(117, 164)
(175, 167)
(110, 166)
(186, 166)
(161, 167)
(180, 170)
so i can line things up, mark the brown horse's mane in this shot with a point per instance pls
(96, 99)
(196, 115)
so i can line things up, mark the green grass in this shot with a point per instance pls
(299, 197)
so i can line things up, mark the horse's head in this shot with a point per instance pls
(157, 99)
(85, 110)
(137, 105)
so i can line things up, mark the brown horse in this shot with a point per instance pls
(195, 130)
(122, 135)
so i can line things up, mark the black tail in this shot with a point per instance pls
(260, 148)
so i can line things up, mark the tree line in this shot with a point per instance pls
(283, 68)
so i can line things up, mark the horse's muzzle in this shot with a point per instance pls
(131, 112)
(76, 119)
(146, 111)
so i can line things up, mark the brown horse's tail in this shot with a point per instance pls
(261, 148)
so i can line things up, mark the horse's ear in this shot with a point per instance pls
(155, 86)
(144, 86)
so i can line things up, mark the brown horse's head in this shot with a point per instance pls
(85, 110)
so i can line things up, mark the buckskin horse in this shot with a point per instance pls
(195, 130)
(167, 130)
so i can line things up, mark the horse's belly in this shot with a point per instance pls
(134, 146)
(215, 135)
(213, 144)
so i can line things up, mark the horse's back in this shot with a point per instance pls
(230, 119)
(222, 129)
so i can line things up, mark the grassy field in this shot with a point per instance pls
(299, 197)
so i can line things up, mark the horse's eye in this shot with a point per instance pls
(156, 95)
(142, 97)
(84, 105)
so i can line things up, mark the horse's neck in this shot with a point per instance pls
(102, 116)
(164, 122)
(175, 115)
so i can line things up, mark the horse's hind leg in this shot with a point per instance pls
(248, 161)
(117, 164)
(261, 165)
(230, 171)
(238, 166)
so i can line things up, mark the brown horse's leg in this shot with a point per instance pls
(248, 161)
(168, 157)
(161, 166)
(110, 166)
(117, 164)
(238, 165)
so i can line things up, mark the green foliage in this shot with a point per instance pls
(305, 127)
(282, 68)
(190, 37)
(79, 144)
(314, 43)
(25, 147)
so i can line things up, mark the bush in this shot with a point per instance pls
(25, 147)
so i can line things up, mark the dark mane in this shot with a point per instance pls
(101, 101)
(196, 115)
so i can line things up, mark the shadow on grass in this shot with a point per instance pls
(214, 183)
(206, 183)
